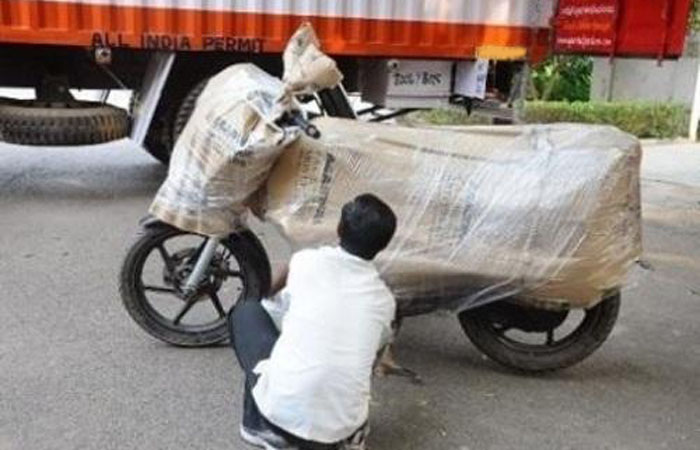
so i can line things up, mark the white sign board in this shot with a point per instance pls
(420, 78)
(470, 78)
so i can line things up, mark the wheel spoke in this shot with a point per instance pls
(550, 337)
(226, 271)
(169, 264)
(500, 329)
(183, 311)
(217, 303)
(160, 289)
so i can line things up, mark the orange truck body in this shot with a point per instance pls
(495, 29)
(399, 54)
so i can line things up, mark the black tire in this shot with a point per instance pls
(255, 275)
(158, 142)
(169, 122)
(29, 122)
(184, 112)
(590, 334)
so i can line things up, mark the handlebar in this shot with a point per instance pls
(296, 118)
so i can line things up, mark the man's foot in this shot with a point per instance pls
(267, 439)
(387, 365)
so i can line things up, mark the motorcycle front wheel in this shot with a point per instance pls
(529, 339)
(154, 271)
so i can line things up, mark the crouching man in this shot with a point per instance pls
(308, 384)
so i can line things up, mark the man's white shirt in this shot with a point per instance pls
(335, 313)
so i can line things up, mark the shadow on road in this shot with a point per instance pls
(113, 170)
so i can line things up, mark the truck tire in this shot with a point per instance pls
(186, 108)
(29, 122)
(485, 327)
(158, 141)
(169, 122)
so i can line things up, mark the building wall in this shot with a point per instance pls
(644, 79)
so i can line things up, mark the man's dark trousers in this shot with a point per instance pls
(253, 335)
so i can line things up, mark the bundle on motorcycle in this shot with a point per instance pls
(514, 228)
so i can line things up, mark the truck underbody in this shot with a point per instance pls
(165, 86)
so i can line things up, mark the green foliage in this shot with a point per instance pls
(694, 17)
(562, 77)
(643, 119)
(448, 116)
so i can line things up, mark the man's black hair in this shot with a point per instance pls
(366, 226)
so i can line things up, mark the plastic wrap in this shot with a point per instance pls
(231, 141)
(550, 213)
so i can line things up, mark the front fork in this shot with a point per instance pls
(200, 267)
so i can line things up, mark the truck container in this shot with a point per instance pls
(397, 53)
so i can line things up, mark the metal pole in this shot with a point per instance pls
(611, 80)
(695, 109)
(521, 94)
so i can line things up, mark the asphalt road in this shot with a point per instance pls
(76, 373)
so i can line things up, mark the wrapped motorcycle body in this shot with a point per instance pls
(546, 214)
(550, 213)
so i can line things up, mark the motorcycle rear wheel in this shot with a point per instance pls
(487, 328)
(250, 273)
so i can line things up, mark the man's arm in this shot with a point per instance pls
(387, 336)
(279, 281)
(277, 302)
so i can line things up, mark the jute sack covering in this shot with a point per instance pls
(231, 141)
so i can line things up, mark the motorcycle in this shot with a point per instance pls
(178, 286)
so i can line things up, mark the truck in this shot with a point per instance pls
(397, 54)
